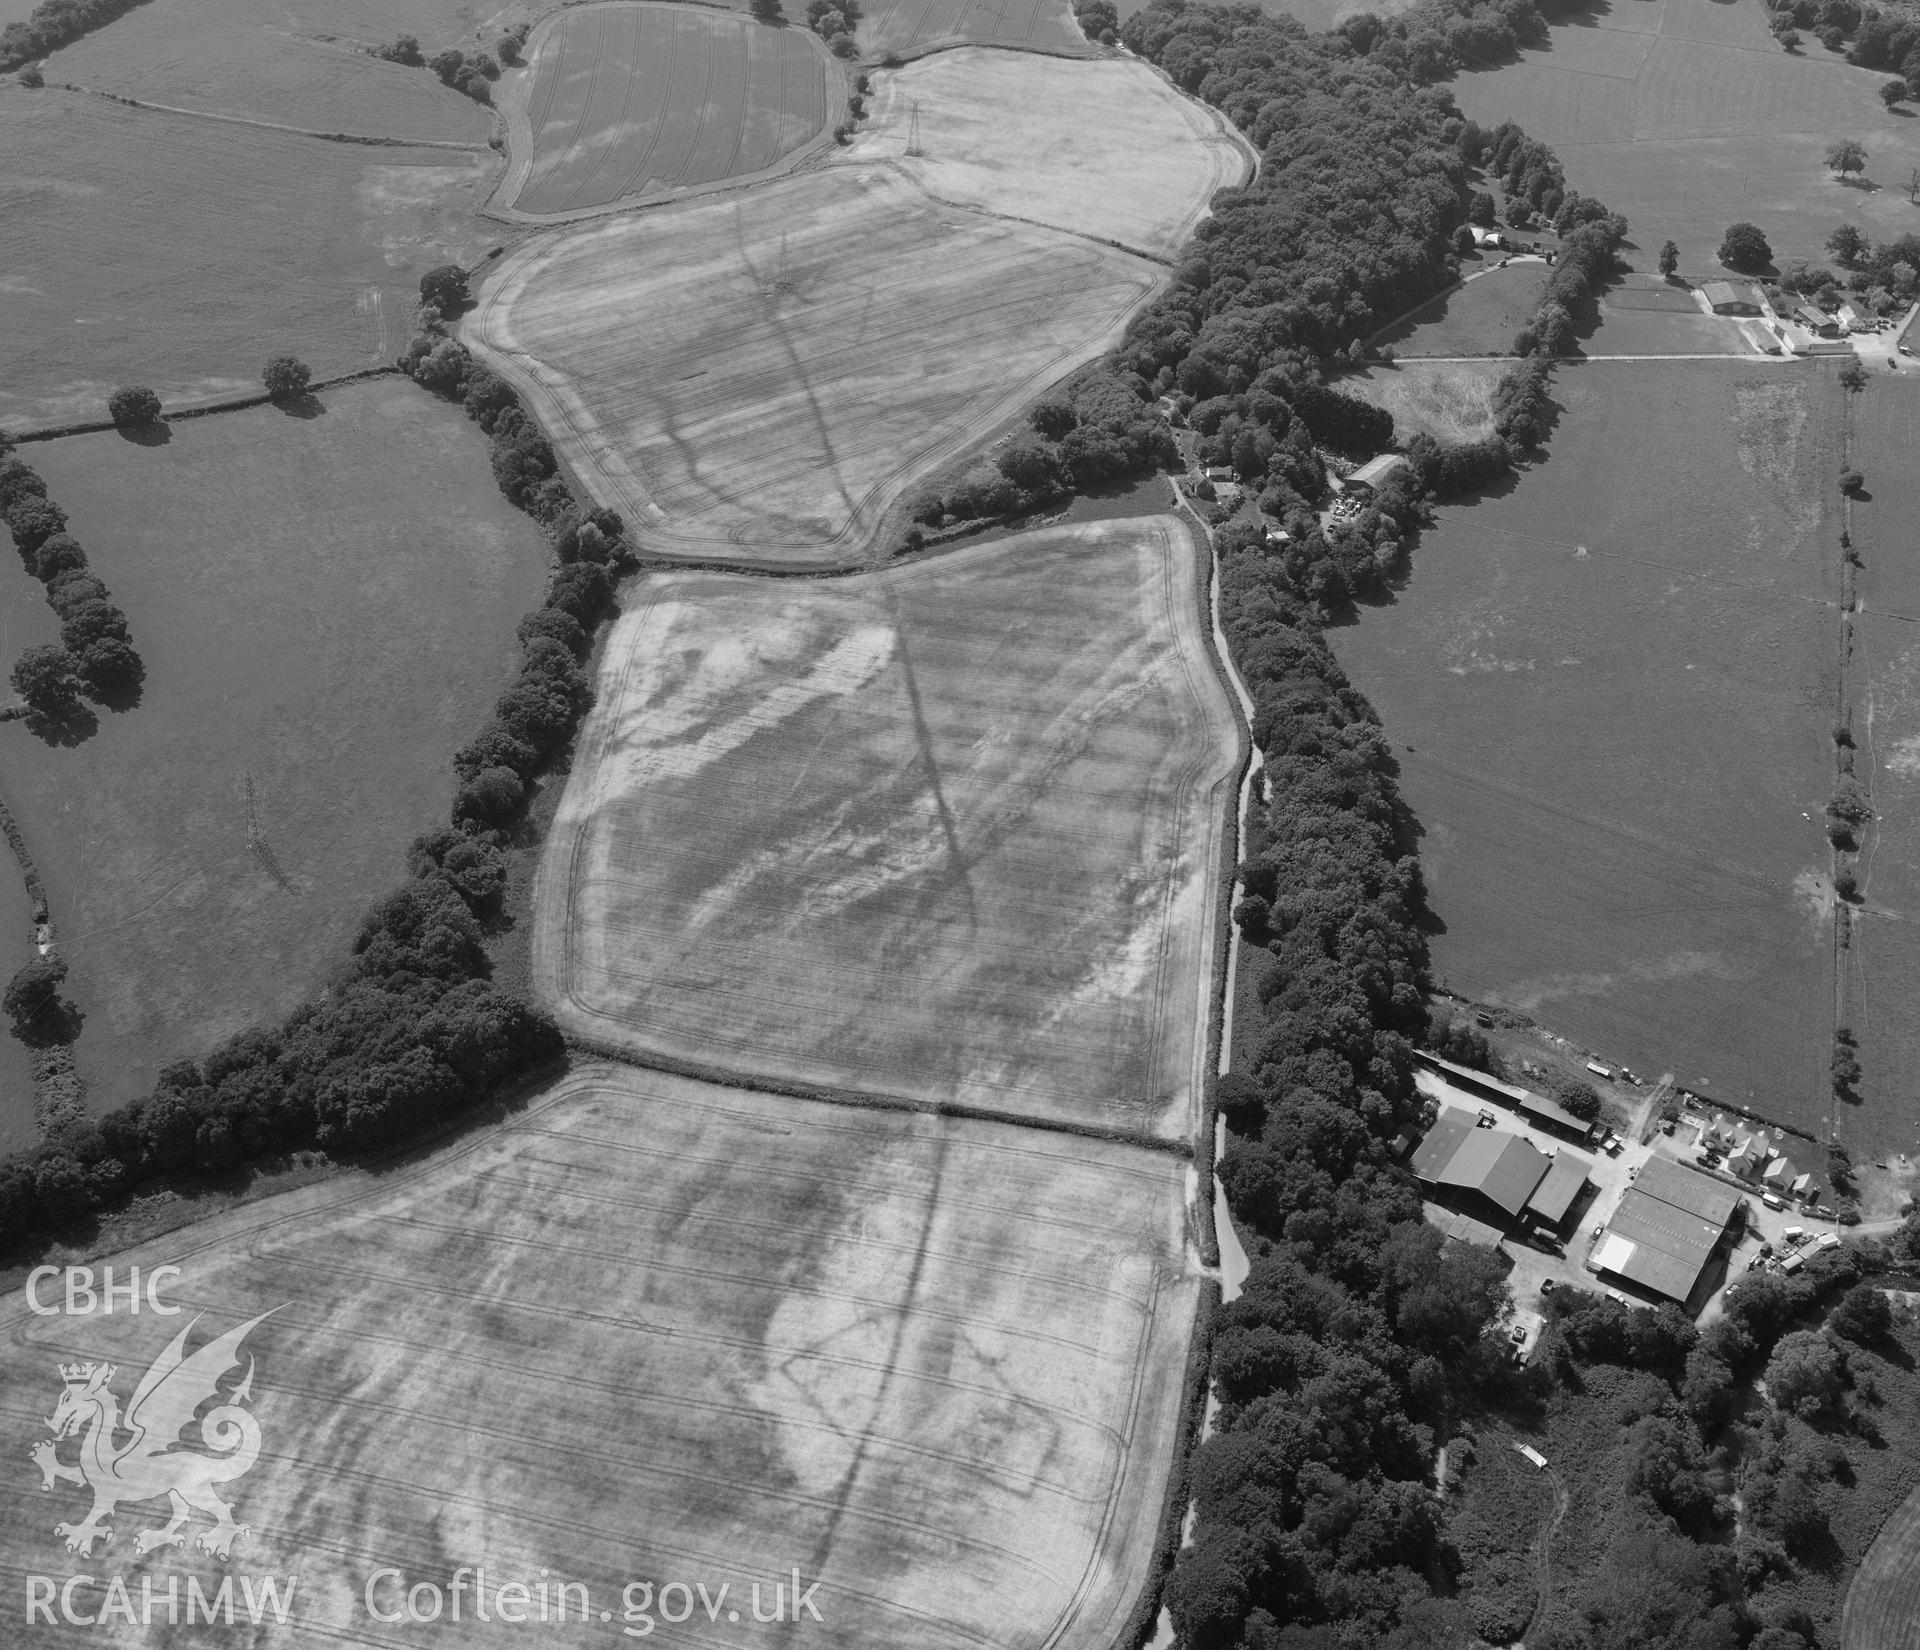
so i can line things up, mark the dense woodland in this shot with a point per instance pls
(409, 1030)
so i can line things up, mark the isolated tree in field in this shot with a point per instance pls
(134, 407)
(286, 379)
(1847, 244)
(1745, 247)
(1851, 481)
(44, 677)
(1853, 376)
(1669, 259)
(1846, 155)
(768, 11)
(445, 288)
(32, 1000)
(1893, 92)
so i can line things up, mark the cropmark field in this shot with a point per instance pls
(814, 345)
(1687, 116)
(809, 349)
(651, 1330)
(948, 831)
(1105, 149)
(628, 103)
(1662, 895)
(326, 607)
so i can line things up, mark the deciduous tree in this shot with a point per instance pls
(1846, 155)
(1745, 247)
(286, 378)
(134, 407)
(44, 677)
(1669, 259)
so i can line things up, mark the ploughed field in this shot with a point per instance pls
(326, 608)
(1613, 705)
(1108, 149)
(756, 376)
(654, 1330)
(628, 102)
(1686, 116)
(1884, 961)
(950, 831)
(125, 259)
(909, 27)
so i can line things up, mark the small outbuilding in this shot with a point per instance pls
(1817, 321)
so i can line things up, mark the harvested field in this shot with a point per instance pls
(910, 27)
(1450, 400)
(650, 1329)
(326, 608)
(1685, 115)
(1106, 149)
(812, 348)
(1479, 317)
(1883, 1604)
(1884, 963)
(227, 57)
(949, 831)
(324, 261)
(1613, 706)
(632, 102)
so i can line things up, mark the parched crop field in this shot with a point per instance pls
(950, 831)
(809, 349)
(629, 102)
(1105, 149)
(910, 27)
(1612, 704)
(1883, 1604)
(1687, 116)
(124, 259)
(1884, 962)
(326, 609)
(655, 1330)
(236, 58)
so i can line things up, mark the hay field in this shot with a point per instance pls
(1450, 400)
(654, 1330)
(630, 102)
(1612, 704)
(324, 604)
(1883, 1603)
(756, 376)
(228, 57)
(948, 831)
(1884, 964)
(125, 259)
(1686, 116)
(909, 27)
(1479, 317)
(1107, 149)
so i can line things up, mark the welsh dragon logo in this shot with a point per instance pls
(152, 1463)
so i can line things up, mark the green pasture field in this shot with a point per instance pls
(1611, 688)
(1449, 400)
(1107, 149)
(1479, 317)
(1686, 116)
(127, 260)
(951, 830)
(326, 607)
(906, 28)
(1648, 315)
(1883, 962)
(784, 394)
(229, 57)
(630, 102)
(649, 1329)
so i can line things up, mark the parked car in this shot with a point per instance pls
(1487, 1119)
(1546, 1286)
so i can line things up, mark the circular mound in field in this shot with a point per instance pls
(627, 101)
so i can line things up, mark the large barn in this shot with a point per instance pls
(1496, 1176)
(1667, 1231)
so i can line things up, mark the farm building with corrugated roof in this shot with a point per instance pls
(1495, 1174)
(1667, 1230)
